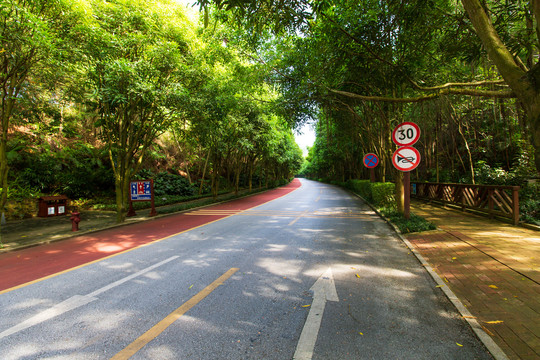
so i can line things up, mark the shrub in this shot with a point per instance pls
(170, 184)
(361, 187)
(529, 203)
(383, 194)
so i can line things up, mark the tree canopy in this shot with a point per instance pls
(132, 87)
(122, 86)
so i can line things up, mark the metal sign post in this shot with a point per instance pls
(406, 158)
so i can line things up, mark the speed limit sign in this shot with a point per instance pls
(406, 134)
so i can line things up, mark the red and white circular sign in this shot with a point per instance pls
(406, 134)
(406, 158)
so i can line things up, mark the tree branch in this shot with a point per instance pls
(497, 51)
(398, 68)
(448, 91)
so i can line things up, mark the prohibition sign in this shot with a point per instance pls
(371, 160)
(406, 158)
(406, 134)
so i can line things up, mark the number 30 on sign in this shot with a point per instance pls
(406, 134)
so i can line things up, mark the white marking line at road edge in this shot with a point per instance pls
(324, 290)
(75, 302)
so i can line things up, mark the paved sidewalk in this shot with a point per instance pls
(493, 268)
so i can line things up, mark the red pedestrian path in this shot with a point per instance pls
(493, 268)
(24, 266)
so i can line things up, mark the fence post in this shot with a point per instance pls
(461, 196)
(515, 204)
(491, 207)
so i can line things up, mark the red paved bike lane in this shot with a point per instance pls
(21, 267)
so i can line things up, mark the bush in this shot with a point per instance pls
(383, 194)
(361, 187)
(170, 184)
(529, 204)
(485, 174)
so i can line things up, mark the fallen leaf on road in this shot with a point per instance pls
(306, 305)
(190, 286)
(361, 333)
(458, 344)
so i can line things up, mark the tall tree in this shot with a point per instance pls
(406, 37)
(31, 33)
(138, 52)
(523, 81)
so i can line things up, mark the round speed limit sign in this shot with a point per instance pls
(406, 134)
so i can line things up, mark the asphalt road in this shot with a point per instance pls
(243, 288)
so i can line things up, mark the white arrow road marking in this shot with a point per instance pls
(324, 290)
(75, 302)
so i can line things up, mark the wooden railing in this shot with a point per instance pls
(489, 199)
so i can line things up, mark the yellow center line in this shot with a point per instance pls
(303, 213)
(157, 329)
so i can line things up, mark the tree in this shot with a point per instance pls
(138, 77)
(523, 81)
(31, 34)
(398, 37)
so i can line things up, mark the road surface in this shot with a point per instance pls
(314, 274)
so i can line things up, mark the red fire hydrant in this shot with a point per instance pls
(75, 220)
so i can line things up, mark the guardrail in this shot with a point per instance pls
(489, 199)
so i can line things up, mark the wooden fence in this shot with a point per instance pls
(489, 199)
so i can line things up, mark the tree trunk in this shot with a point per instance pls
(204, 172)
(250, 175)
(525, 83)
(400, 193)
(237, 180)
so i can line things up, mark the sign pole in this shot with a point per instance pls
(131, 211)
(407, 195)
(141, 190)
(371, 161)
(406, 158)
(153, 212)
(372, 174)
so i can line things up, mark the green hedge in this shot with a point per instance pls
(361, 187)
(383, 194)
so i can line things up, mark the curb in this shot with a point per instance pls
(492, 347)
